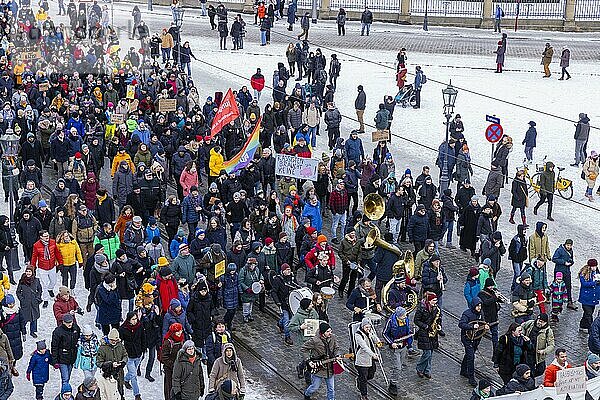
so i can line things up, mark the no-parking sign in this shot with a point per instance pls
(493, 133)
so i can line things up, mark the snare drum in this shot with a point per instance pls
(257, 287)
(327, 293)
(374, 317)
(297, 295)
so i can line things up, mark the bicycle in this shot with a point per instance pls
(562, 185)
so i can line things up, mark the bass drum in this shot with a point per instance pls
(297, 295)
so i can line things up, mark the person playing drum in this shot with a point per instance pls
(283, 284)
(249, 276)
(321, 275)
(362, 299)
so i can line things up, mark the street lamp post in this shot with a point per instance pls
(449, 94)
(178, 14)
(10, 150)
(425, 27)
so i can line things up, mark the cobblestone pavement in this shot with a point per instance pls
(386, 36)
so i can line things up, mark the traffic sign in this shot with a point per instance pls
(493, 133)
(493, 119)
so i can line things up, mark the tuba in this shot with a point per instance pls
(374, 206)
(405, 269)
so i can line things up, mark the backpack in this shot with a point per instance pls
(502, 12)
(322, 78)
(424, 79)
(159, 355)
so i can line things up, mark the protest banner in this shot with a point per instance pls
(573, 381)
(380, 135)
(296, 167)
(167, 105)
(117, 119)
(570, 380)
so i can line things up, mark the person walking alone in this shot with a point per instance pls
(565, 57)
(547, 59)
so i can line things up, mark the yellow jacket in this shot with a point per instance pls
(117, 161)
(70, 252)
(215, 163)
(4, 285)
(166, 41)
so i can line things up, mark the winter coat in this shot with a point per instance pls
(354, 150)
(423, 320)
(365, 345)
(64, 344)
(504, 355)
(110, 242)
(582, 129)
(561, 258)
(39, 367)
(109, 305)
(188, 378)
(133, 338)
(314, 214)
(30, 298)
(530, 137)
(87, 353)
(122, 184)
(589, 294)
(565, 57)
(171, 317)
(418, 227)
(215, 163)
(223, 370)
(544, 342)
(519, 193)
(62, 307)
(494, 183)
(13, 325)
(471, 290)
(246, 279)
(199, 313)
(188, 211)
(184, 267)
(230, 291)
(538, 244)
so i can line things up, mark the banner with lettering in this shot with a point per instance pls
(570, 384)
(297, 167)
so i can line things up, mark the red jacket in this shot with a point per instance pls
(311, 257)
(37, 257)
(62, 307)
(167, 291)
(550, 373)
(257, 82)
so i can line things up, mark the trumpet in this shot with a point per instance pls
(440, 278)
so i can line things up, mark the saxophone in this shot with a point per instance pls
(435, 324)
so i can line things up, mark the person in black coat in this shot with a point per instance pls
(7, 244)
(519, 197)
(31, 149)
(65, 339)
(471, 319)
(28, 229)
(105, 207)
(199, 313)
(13, 325)
(214, 344)
(427, 192)
(468, 222)
(504, 355)
(152, 323)
(133, 335)
(185, 57)
(521, 381)
(418, 228)
(29, 293)
(426, 320)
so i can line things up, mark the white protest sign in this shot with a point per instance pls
(297, 167)
(570, 380)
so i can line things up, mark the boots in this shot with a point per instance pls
(393, 389)
(572, 306)
(512, 218)
(524, 219)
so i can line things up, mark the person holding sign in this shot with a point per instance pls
(559, 363)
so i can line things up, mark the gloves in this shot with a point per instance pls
(177, 396)
(56, 366)
(531, 303)
(79, 311)
(249, 291)
(29, 376)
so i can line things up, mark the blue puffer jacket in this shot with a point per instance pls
(188, 212)
(109, 306)
(39, 367)
(314, 214)
(471, 289)
(594, 338)
(589, 294)
(230, 291)
(354, 149)
(171, 317)
(13, 325)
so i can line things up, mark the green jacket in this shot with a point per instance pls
(246, 279)
(110, 353)
(298, 319)
(111, 245)
(188, 378)
(484, 273)
(548, 178)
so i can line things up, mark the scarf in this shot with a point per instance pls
(30, 193)
(171, 333)
(26, 280)
(101, 198)
(518, 349)
(591, 371)
(46, 249)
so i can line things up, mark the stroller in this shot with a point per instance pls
(406, 96)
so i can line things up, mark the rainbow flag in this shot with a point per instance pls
(243, 158)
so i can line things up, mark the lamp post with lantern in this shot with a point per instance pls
(449, 93)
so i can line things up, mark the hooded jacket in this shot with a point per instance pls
(538, 243)
(224, 369)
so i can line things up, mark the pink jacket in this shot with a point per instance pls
(187, 180)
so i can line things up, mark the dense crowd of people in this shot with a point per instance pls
(174, 238)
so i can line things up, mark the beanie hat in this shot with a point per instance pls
(321, 238)
(174, 303)
(310, 230)
(304, 304)
(525, 275)
(66, 388)
(473, 272)
(497, 235)
(484, 384)
(400, 311)
(86, 330)
(569, 241)
(282, 235)
(165, 271)
(227, 386)
(68, 318)
(592, 262)
(489, 282)
(268, 241)
(365, 321)
(559, 275)
(430, 296)
(98, 246)
(433, 258)
(521, 369)
(119, 253)
(40, 345)
(113, 334)
(487, 262)
(592, 358)
(285, 266)
(543, 317)
(163, 262)
(187, 344)
(88, 382)
(109, 278)
(9, 299)
(324, 327)
(63, 290)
